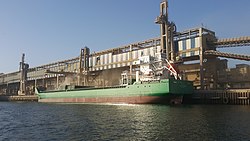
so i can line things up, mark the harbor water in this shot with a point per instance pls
(28, 121)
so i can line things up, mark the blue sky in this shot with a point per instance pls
(53, 30)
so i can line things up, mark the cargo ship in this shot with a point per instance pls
(157, 82)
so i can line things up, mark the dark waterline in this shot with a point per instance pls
(39, 121)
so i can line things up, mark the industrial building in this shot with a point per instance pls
(236, 78)
(193, 50)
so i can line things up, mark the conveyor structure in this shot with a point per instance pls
(190, 45)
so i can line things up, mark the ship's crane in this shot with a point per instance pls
(171, 68)
(173, 71)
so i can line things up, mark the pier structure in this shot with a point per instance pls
(195, 51)
(230, 96)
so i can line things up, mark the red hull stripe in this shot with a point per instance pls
(129, 100)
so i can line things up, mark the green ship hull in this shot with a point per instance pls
(163, 91)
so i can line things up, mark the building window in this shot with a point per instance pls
(176, 45)
(184, 45)
(193, 43)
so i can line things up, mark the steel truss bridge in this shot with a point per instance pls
(230, 42)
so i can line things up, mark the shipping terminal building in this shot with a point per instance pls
(193, 51)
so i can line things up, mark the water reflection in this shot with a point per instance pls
(39, 121)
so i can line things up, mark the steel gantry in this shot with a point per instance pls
(233, 42)
(230, 42)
